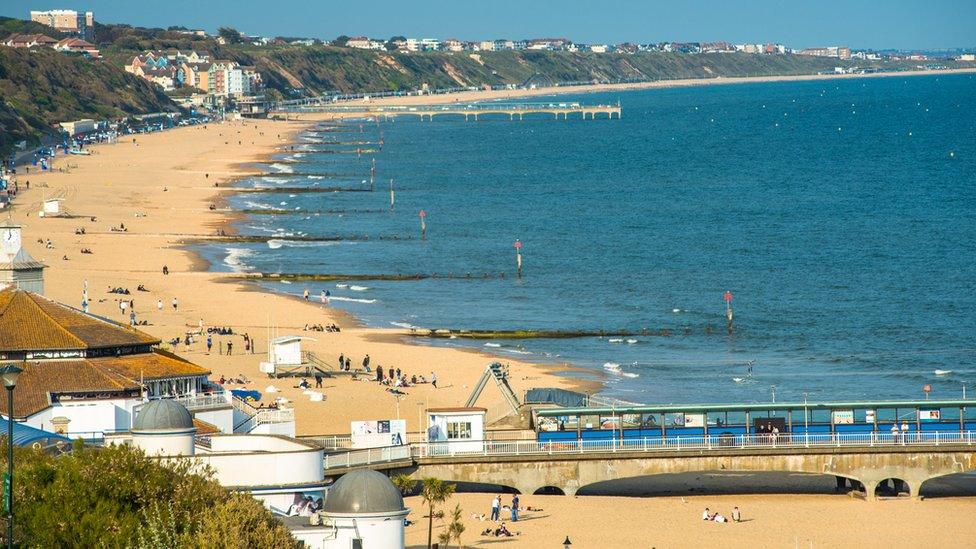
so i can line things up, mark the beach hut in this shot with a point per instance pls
(52, 207)
(286, 358)
(460, 429)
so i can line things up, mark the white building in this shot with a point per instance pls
(413, 44)
(599, 48)
(459, 429)
(363, 510)
(17, 268)
(285, 474)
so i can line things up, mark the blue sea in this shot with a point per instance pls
(841, 214)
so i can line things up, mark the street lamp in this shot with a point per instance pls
(9, 374)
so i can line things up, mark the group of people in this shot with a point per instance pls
(118, 290)
(707, 515)
(241, 379)
(321, 328)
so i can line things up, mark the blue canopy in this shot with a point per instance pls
(25, 435)
(245, 394)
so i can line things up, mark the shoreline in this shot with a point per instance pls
(487, 95)
(160, 186)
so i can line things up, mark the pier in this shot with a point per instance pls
(470, 111)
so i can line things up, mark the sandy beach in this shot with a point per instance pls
(794, 521)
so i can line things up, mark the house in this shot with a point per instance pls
(460, 429)
(599, 48)
(453, 44)
(430, 44)
(413, 44)
(29, 41)
(364, 43)
(487, 45)
(77, 45)
(84, 375)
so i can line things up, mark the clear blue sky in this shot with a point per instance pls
(930, 24)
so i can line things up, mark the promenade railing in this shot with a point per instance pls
(369, 456)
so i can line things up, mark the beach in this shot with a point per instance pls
(796, 521)
(160, 186)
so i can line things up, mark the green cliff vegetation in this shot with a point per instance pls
(117, 497)
(41, 87)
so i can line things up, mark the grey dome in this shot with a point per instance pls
(162, 415)
(363, 491)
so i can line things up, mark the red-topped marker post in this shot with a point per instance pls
(423, 225)
(728, 310)
(518, 257)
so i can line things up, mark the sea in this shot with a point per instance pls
(840, 215)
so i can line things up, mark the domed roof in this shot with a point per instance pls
(363, 491)
(162, 415)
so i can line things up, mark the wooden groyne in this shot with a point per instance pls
(328, 277)
(333, 211)
(526, 334)
(252, 239)
(300, 190)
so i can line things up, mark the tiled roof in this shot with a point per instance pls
(41, 378)
(30, 322)
(204, 428)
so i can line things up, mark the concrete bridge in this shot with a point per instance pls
(470, 111)
(529, 466)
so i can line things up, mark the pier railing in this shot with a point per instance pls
(720, 442)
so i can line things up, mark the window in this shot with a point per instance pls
(458, 430)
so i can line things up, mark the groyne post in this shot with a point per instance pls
(518, 257)
(423, 225)
(728, 310)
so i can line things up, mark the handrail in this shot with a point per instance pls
(434, 450)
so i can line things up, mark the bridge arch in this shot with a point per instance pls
(952, 485)
(721, 482)
(549, 491)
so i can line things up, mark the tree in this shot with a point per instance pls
(391, 44)
(433, 492)
(454, 529)
(230, 35)
(116, 496)
(340, 40)
(405, 483)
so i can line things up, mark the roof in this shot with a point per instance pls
(24, 262)
(31, 322)
(76, 43)
(29, 38)
(205, 428)
(108, 375)
(25, 435)
(163, 415)
(290, 338)
(757, 407)
(457, 409)
(363, 491)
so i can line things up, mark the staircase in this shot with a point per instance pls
(499, 373)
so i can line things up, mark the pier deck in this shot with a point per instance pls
(468, 110)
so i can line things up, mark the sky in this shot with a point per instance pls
(877, 24)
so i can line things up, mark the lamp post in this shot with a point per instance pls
(9, 374)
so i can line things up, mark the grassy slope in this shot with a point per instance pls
(41, 87)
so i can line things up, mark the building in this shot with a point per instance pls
(285, 474)
(67, 21)
(77, 45)
(453, 44)
(840, 52)
(29, 41)
(599, 48)
(17, 268)
(430, 44)
(459, 429)
(84, 375)
(364, 43)
(486, 45)
(362, 509)
(967, 57)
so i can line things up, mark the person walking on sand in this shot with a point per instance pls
(379, 373)
(342, 361)
(496, 505)
(209, 343)
(175, 304)
(305, 294)
(230, 347)
(366, 365)
(515, 508)
(433, 379)
(318, 381)
(159, 304)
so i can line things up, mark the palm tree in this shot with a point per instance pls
(404, 483)
(454, 529)
(433, 492)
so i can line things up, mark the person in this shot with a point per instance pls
(515, 508)
(496, 505)
(175, 304)
(349, 365)
(165, 270)
(366, 365)
(122, 305)
(736, 516)
(433, 379)
(719, 518)
(379, 372)
(209, 343)
(318, 381)
(904, 431)
(230, 347)
(706, 515)
(894, 433)
(201, 325)
(159, 304)
(305, 294)
(342, 361)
